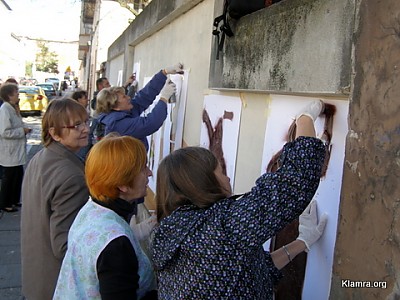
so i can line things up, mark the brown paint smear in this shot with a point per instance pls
(215, 136)
(291, 285)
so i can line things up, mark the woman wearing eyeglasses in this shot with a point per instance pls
(53, 191)
(81, 97)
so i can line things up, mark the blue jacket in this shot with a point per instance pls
(130, 122)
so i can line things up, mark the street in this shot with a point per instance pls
(10, 244)
(34, 138)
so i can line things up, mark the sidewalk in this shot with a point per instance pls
(10, 231)
(10, 256)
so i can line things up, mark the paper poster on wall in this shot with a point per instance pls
(282, 111)
(136, 69)
(220, 130)
(119, 80)
(169, 137)
(136, 72)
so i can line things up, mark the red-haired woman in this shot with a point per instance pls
(113, 265)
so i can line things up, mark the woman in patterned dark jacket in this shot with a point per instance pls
(209, 244)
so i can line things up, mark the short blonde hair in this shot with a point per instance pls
(106, 99)
(113, 162)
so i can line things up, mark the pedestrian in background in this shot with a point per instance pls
(101, 83)
(131, 86)
(53, 191)
(104, 260)
(12, 148)
(81, 97)
(11, 80)
(209, 243)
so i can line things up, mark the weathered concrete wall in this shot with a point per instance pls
(156, 16)
(113, 70)
(368, 242)
(292, 46)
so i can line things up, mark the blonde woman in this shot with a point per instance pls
(123, 114)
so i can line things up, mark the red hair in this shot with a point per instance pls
(113, 162)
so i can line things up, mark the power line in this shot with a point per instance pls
(48, 41)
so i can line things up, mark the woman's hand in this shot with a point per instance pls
(312, 110)
(175, 69)
(167, 91)
(310, 230)
(305, 119)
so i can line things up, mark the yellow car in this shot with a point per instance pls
(32, 99)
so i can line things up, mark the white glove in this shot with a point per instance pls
(313, 110)
(168, 90)
(142, 230)
(176, 69)
(310, 230)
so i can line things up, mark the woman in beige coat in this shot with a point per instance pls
(12, 148)
(53, 191)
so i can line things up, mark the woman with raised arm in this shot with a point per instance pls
(209, 243)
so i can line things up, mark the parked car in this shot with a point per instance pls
(55, 81)
(49, 89)
(32, 99)
(32, 81)
(52, 79)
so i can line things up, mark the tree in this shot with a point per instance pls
(46, 60)
(28, 68)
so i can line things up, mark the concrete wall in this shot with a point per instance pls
(346, 49)
(368, 241)
(114, 68)
(292, 46)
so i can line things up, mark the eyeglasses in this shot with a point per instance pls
(79, 126)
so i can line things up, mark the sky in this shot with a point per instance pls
(47, 19)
